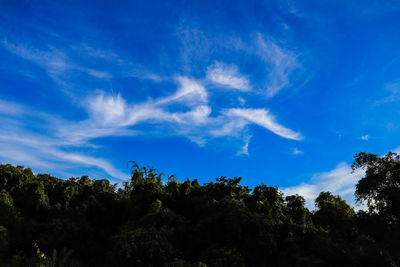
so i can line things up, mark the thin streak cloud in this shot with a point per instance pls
(281, 64)
(263, 118)
(227, 76)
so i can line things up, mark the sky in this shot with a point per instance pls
(282, 93)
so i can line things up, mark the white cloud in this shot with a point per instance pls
(245, 148)
(56, 62)
(187, 112)
(278, 61)
(145, 75)
(297, 151)
(109, 109)
(47, 153)
(190, 92)
(339, 181)
(22, 156)
(99, 74)
(52, 60)
(227, 76)
(195, 46)
(282, 63)
(111, 115)
(241, 100)
(365, 137)
(79, 134)
(393, 87)
(96, 53)
(49, 149)
(198, 115)
(229, 126)
(91, 161)
(10, 108)
(263, 118)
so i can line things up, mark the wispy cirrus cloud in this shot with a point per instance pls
(265, 119)
(20, 144)
(271, 56)
(365, 137)
(281, 62)
(297, 151)
(245, 148)
(52, 60)
(112, 115)
(227, 76)
(48, 152)
(187, 112)
(393, 88)
(109, 116)
(190, 92)
(57, 62)
(197, 120)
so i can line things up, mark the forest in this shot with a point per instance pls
(153, 220)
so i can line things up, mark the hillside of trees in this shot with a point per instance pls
(46, 221)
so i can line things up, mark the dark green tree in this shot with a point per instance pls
(380, 189)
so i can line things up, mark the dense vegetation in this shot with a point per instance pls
(46, 221)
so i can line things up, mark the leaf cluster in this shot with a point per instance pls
(152, 221)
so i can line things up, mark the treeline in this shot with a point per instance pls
(46, 221)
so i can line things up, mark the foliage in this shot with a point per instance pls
(380, 188)
(151, 221)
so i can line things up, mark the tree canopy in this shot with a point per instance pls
(153, 220)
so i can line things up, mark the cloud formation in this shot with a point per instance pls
(63, 65)
(339, 181)
(281, 63)
(297, 151)
(365, 137)
(189, 111)
(245, 148)
(227, 76)
(190, 92)
(263, 118)
(112, 115)
(48, 153)
(113, 111)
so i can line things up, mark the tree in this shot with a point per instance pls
(149, 222)
(380, 186)
(296, 210)
(335, 215)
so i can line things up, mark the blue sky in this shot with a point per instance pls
(278, 92)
